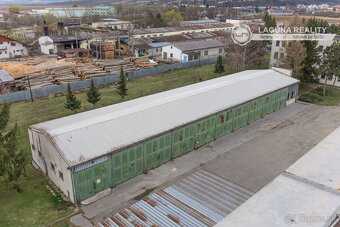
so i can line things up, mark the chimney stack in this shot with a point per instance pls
(45, 29)
(61, 28)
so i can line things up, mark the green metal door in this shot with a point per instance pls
(157, 151)
(277, 100)
(84, 184)
(245, 114)
(224, 123)
(237, 117)
(281, 98)
(183, 140)
(205, 131)
(92, 180)
(269, 103)
(127, 164)
(272, 101)
(255, 109)
(101, 176)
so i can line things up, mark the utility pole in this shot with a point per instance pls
(29, 85)
(118, 43)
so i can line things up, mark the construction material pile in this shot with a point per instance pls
(84, 69)
(17, 69)
(103, 49)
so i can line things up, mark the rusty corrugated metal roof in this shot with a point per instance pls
(201, 199)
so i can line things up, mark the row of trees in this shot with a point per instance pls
(12, 158)
(93, 95)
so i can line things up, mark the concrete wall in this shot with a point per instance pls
(176, 53)
(292, 94)
(12, 49)
(44, 154)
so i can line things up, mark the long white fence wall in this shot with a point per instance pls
(58, 89)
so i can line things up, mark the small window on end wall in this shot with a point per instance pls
(52, 167)
(171, 55)
(61, 176)
(292, 95)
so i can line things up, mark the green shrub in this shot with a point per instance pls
(311, 97)
(319, 91)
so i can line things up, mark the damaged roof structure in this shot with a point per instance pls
(201, 199)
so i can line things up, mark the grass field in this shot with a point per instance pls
(314, 94)
(331, 99)
(36, 206)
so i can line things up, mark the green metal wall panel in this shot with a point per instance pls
(281, 98)
(224, 123)
(269, 103)
(245, 114)
(92, 180)
(157, 151)
(127, 164)
(277, 100)
(205, 131)
(183, 140)
(241, 114)
(237, 115)
(255, 109)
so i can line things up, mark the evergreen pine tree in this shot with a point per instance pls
(219, 67)
(72, 103)
(121, 88)
(312, 54)
(12, 159)
(93, 95)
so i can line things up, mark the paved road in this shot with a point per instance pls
(251, 157)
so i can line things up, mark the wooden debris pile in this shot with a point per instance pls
(103, 50)
(141, 62)
(85, 68)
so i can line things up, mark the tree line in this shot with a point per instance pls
(93, 95)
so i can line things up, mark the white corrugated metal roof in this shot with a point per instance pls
(322, 163)
(306, 194)
(201, 199)
(286, 202)
(84, 136)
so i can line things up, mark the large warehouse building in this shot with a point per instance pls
(89, 152)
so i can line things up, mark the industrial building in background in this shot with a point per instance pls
(194, 50)
(93, 151)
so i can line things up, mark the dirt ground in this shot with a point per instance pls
(251, 157)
